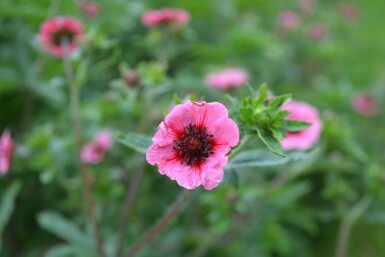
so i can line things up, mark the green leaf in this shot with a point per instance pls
(69, 250)
(7, 204)
(63, 228)
(138, 142)
(256, 158)
(271, 142)
(296, 125)
(278, 101)
(61, 251)
(262, 94)
(232, 177)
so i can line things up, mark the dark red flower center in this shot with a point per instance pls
(194, 145)
(61, 36)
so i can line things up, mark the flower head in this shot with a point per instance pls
(365, 104)
(317, 31)
(60, 32)
(306, 6)
(6, 148)
(192, 144)
(165, 16)
(304, 139)
(89, 8)
(288, 20)
(227, 79)
(94, 151)
(350, 11)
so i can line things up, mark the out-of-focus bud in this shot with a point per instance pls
(132, 78)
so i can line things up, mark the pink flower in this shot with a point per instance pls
(165, 16)
(58, 31)
(317, 31)
(304, 139)
(288, 20)
(89, 8)
(306, 6)
(365, 104)
(227, 79)
(6, 148)
(350, 12)
(192, 144)
(94, 152)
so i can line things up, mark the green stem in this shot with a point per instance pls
(160, 224)
(76, 131)
(240, 146)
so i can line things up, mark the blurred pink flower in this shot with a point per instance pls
(350, 11)
(306, 6)
(153, 18)
(89, 8)
(55, 31)
(317, 31)
(288, 20)
(227, 79)
(192, 143)
(365, 104)
(304, 139)
(6, 148)
(94, 152)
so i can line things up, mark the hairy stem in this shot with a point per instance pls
(127, 205)
(76, 131)
(160, 224)
(343, 238)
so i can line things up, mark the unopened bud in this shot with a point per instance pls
(131, 78)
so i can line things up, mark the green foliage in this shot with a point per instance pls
(7, 206)
(267, 205)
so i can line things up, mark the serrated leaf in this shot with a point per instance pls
(278, 101)
(138, 142)
(271, 142)
(296, 125)
(256, 158)
(262, 94)
(7, 204)
(63, 228)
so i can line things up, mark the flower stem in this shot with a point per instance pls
(243, 142)
(76, 131)
(160, 224)
(343, 238)
(127, 205)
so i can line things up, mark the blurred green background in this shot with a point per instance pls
(296, 209)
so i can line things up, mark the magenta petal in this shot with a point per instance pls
(192, 144)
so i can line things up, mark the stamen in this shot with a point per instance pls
(194, 146)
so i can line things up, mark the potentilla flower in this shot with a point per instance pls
(89, 8)
(317, 31)
(350, 11)
(166, 16)
(304, 139)
(94, 152)
(306, 6)
(227, 79)
(6, 148)
(59, 31)
(192, 144)
(288, 20)
(365, 104)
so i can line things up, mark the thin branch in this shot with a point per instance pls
(159, 225)
(76, 130)
(131, 192)
(343, 238)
